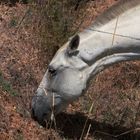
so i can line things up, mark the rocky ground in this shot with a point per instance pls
(114, 93)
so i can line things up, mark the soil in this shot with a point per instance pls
(114, 92)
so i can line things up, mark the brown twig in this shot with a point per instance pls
(117, 136)
(86, 121)
(88, 132)
(115, 30)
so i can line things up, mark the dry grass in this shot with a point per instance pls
(109, 108)
(56, 21)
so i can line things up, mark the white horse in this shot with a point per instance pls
(114, 37)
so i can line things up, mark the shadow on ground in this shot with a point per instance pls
(71, 126)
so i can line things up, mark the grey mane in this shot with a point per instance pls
(114, 12)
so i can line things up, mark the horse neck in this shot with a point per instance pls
(116, 41)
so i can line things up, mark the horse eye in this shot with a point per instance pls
(52, 71)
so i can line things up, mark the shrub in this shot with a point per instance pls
(56, 21)
(13, 2)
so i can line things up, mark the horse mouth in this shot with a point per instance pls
(42, 121)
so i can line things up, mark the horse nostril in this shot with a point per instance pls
(33, 114)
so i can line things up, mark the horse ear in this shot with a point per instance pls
(73, 44)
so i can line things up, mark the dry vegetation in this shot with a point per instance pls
(29, 36)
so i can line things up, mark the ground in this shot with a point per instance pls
(113, 94)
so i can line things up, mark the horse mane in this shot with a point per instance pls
(115, 11)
